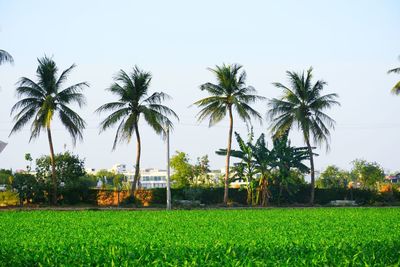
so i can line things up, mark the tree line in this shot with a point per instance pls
(301, 106)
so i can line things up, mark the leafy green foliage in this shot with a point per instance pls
(333, 177)
(283, 237)
(29, 188)
(183, 171)
(6, 177)
(367, 173)
(200, 171)
(260, 166)
(186, 174)
(69, 168)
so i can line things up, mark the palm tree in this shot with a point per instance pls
(396, 88)
(43, 100)
(229, 94)
(303, 105)
(5, 57)
(132, 104)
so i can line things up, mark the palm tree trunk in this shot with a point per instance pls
(312, 171)
(228, 154)
(264, 193)
(137, 166)
(280, 193)
(53, 167)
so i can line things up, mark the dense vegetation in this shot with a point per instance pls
(300, 237)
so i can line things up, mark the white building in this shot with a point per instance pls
(149, 178)
(119, 168)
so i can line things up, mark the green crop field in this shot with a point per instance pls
(291, 237)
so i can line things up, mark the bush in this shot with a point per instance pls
(9, 198)
(79, 191)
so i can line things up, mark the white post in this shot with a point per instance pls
(168, 175)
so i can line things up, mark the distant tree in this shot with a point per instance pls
(302, 105)
(183, 171)
(228, 94)
(70, 173)
(133, 103)
(5, 57)
(200, 172)
(333, 177)
(369, 174)
(69, 168)
(28, 158)
(28, 187)
(6, 177)
(396, 88)
(45, 99)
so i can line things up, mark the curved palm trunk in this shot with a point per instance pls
(228, 154)
(312, 171)
(137, 166)
(53, 167)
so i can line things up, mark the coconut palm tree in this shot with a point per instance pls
(229, 94)
(5, 57)
(396, 88)
(44, 99)
(303, 105)
(133, 103)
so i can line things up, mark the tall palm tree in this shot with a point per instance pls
(396, 88)
(132, 104)
(303, 105)
(45, 98)
(228, 94)
(5, 57)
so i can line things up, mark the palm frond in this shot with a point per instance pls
(110, 106)
(64, 75)
(113, 118)
(72, 122)
(396, 89)
(72, 94)
(395, 70)
(22, 119)
(5, 57)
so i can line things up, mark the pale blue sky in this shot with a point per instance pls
(350, 44)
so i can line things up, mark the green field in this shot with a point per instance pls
(311, 236)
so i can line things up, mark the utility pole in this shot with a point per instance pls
(168, 175)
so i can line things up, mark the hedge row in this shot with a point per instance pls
(214, 196)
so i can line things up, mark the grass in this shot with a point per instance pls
(301, 237)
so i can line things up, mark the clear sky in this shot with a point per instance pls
(350, 44)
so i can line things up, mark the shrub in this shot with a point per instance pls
(8, 198)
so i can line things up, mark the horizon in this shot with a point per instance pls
(349, 45)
